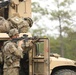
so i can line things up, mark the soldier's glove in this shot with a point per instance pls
(36, 38)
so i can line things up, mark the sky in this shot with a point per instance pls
(52, 25)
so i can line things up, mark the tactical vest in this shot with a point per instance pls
(10, 60)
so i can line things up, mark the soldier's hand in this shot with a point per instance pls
(34, 41)
(20, 43)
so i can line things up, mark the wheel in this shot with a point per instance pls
(65, 72)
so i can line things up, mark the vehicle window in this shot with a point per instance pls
(40, 48)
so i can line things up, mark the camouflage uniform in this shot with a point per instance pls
(21, 24)
(4, 25)
(12, 55)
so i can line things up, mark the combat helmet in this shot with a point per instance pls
(13, 32)
(30, 21)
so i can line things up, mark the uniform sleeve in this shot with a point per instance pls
(16, 51)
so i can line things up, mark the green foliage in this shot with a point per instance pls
(63, 11)
(63, 3)
(54, 45)
(38, 9)
(69, 46)
(63, 14)
(40, 31)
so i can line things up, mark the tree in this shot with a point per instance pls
(38, 14)
(63, 14)
(70, 44)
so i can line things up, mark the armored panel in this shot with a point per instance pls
(38, 67)
(22, 7)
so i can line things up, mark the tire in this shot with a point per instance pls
(65, 72)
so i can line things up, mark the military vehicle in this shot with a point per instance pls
(38, 60)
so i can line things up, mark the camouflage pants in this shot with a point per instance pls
(12, 71)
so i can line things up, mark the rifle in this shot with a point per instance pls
(25, 38)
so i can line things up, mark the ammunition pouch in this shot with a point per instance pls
(8, 61)
(15, 58)
(11, 59)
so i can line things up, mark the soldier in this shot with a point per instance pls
(12, 54)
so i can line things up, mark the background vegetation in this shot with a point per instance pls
(65, 41)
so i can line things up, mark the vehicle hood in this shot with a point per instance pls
(60, 61)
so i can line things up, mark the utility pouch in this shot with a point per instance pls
(9, 61)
